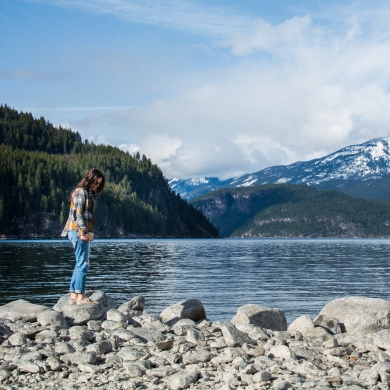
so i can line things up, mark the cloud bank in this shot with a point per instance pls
(293, 90)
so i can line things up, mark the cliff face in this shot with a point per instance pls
(293, 211)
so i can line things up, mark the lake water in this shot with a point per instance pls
(296, 276)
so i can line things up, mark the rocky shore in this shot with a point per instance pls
(108, 347)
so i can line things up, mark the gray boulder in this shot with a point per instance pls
(264, 317)
(195, 336)
(80, 333)
(233, 337)
(332, 325)
(21, 310)
(5, 331)
(111, 325)
(382, 339)
(282, 351)
(131, 354)
(17, 339)
(192, 309)
(254, 332)
(152, 335)
(182, 379)
(27, 367)
(197, 356)
(83, 313)
(100, 348)
(135, 303)
(303, 325)
(79, 358)
(116, 315)
(52, 317)
(359, 315)
(261, 376)
(47, 335)
(105, 301)
(53, 363)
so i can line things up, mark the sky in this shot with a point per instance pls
(203, 87)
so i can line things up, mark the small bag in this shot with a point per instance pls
(91, 235)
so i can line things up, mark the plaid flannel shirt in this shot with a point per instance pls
(81, 212)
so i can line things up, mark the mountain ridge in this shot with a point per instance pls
(293, 210)
(361, 162)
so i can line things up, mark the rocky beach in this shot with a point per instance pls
(108, 347)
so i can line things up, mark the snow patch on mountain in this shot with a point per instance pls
(370, 160)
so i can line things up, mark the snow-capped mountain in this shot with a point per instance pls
(192, 188)
(370, 160)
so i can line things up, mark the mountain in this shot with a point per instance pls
(289, 210)
(353, 169)
(40, 164)
(192, 188)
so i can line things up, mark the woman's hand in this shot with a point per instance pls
(85, 237)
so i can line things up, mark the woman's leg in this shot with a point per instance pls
(82, 248)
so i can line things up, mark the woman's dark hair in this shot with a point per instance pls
(90, 178)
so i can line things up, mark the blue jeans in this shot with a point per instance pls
(81, 251)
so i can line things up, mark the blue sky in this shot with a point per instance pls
(203, 88)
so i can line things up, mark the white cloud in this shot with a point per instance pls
(160, 147)
(327, 92)
(267, 37)
(98, 139)
(129, 148)
(288, 91)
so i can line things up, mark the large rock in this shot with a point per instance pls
(78, 315)
(359, 315)
(21, 310)
(332, 325)
(382, 339)
(105, 301)
(182, 379)
(233, 337)
(152, 335)
(282, 351)
(303, 325)
(52, 317)
(254, 332)
(5, 331)
(190, 308)
(264, 317)
(81, 314)
(116, 315)
(17, 339)
(135, 303)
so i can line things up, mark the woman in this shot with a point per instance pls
(80, 230)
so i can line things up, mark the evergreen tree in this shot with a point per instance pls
(40, 165)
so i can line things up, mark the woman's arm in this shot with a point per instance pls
(79, 200)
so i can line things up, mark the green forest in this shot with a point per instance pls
(40, 164)
(288, 210)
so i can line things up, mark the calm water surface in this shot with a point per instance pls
(297, 276)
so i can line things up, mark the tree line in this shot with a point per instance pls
(40, 164)
(288, 210)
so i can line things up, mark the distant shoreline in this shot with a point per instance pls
(194, 238)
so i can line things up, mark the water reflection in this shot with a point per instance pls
(296, 276)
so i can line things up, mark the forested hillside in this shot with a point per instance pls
(288, 210)
(40, 164)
